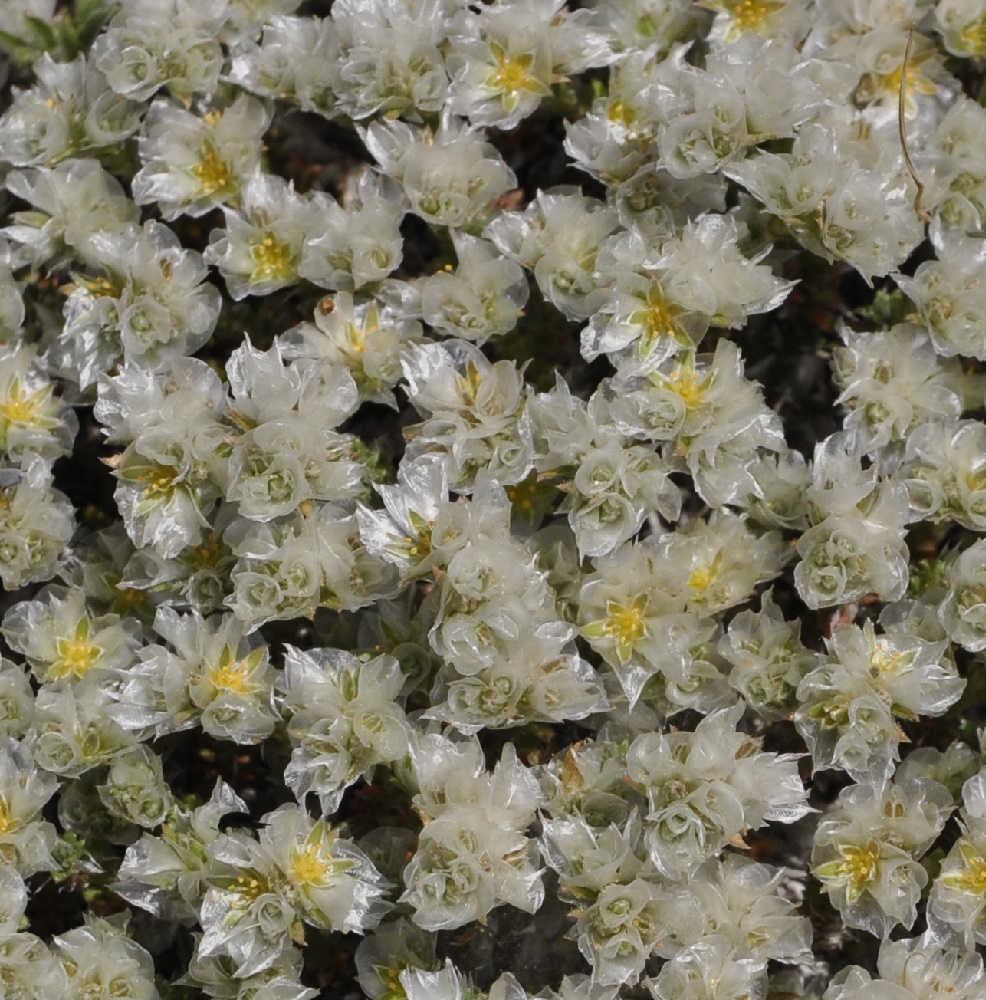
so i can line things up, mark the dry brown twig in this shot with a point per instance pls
(922, 212)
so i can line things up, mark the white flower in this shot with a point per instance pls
(343, 720)
(365, 337)
(263, 247)
(843, 197)
(61, 639)
(704, 788)
(957, 190)
(192, 164)
(73, 732)
(70, 112)
(867, 852)
(473, 853)
(891, 382)
(618, 932)
(33, 422)
(944, 472)
(36, 523)
(962, 24)
(948, 293)
(666, 292)
(262, 891)
(929, 970)
(558, 237)
(963, 611)
(505, 57)
(389, 58)
(71, 203)
(482, 298)
(26, 840)
(135, 788)
(296, 59)
(708, 970)
(452, 176)
(441, 984)
(173, 43)
(166, 874)
(359, 243)
(99, 958)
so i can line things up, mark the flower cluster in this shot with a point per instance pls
(634, 833)
(474, 852)
(957, 906)
(867, 853)
(849, 704)
(466, 469)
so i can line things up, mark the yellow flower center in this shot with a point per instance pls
(702, 577)
(212, 172)
(159, 480)
(971, 878)
(746, 15)
(885, 660)
(233, 675)
(973, 38)
(621, 113)
(512, 76)
(470, 383)
(309, 866)
(916, 83)
(23, 406)
(684, 381)
(75, 657)
(248, 888)
(859, 865)
(357, 338)
(102, 286)
(975, 877)
(208, 553)
(658, 318)
(394, 988)
(752, 15)
(7, 822)
(886, 87)
(625, 624)
(272, 260)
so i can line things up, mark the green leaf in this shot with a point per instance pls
(90, 16)
(21, 51)
(44, 32)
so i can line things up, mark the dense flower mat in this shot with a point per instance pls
(491, 499)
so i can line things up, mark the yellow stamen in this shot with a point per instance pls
(704, 575)
(76, 657)
(512, 76)
(233, 675)
(308, 865)
(971, 878)
(24, 407)
(860, 864)
(973, 38)
(7, 822)
(212, 172)
(752, 15)
(273, 260)
(159, 481)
